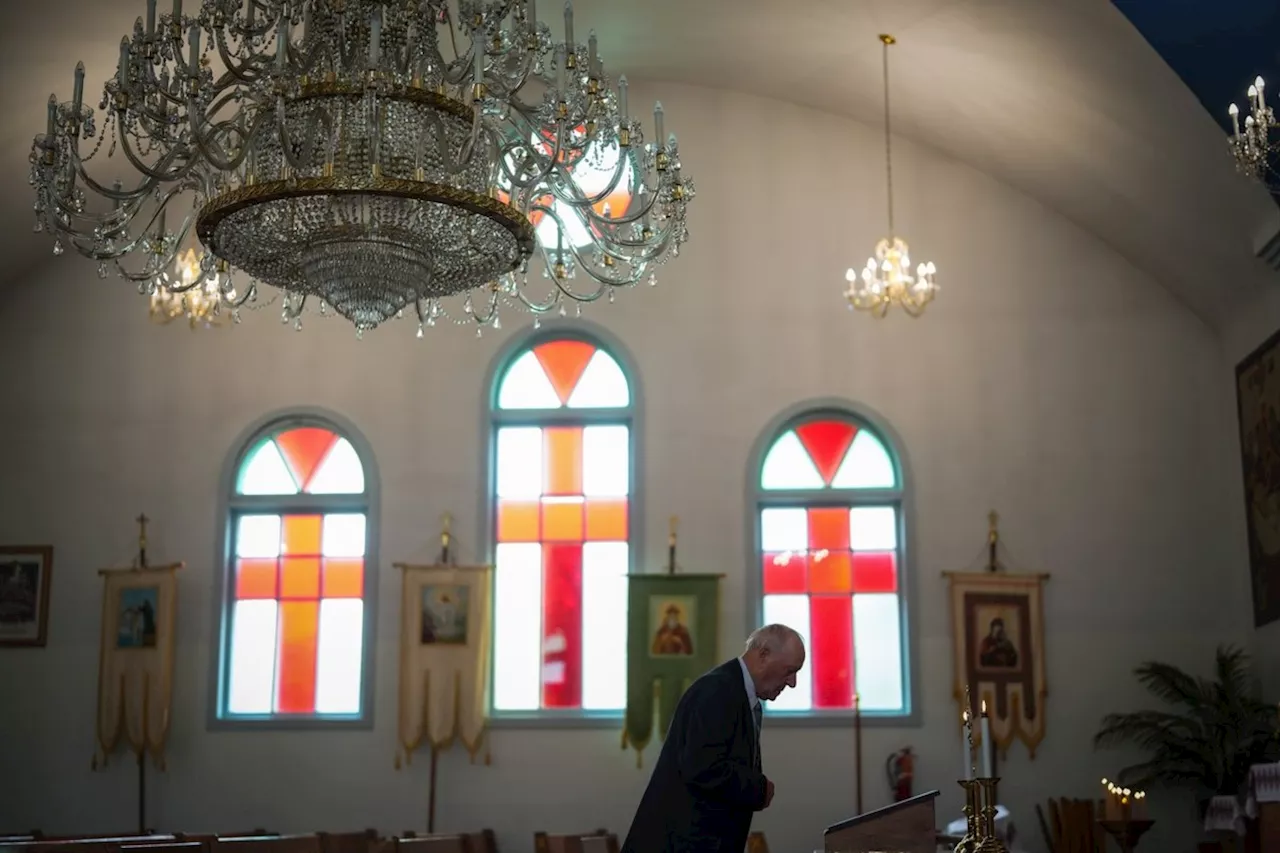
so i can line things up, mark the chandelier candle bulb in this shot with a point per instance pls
(77, 96)
(375, 36)
(177, 12)
(657, 120)
(568, 31)
(623, 115)
(151, 19)
(193, 39)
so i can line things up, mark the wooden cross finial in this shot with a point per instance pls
(446, 537)
(142, 539)
(993, 541)
(671, 545)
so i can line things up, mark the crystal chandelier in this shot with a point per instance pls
(200, 299)
(1254, 149)
(886, 280)
(370, 156)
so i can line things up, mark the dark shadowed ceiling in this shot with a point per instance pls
(1217, 47)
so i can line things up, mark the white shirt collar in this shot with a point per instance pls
(749, 684)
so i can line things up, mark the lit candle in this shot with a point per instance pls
(1235, 119)
(1259, 84)
(987, 745)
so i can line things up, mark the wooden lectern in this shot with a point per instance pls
(905, 827)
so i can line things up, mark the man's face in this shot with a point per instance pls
(997, 630)
(778, 669)
(672, 620)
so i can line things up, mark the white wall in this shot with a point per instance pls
(1051, 381)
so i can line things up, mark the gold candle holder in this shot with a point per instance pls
(969, 844)
(988, 840)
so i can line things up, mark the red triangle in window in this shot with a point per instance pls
(303, 449)
(827, 443)
(564, 362)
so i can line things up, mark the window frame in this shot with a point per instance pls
(759, 498)
(231, 505)
(494, 418)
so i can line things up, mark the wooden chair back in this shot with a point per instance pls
(268, 844)
(434, 844)
(1073, 827)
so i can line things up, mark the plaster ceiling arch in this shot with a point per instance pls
(1061, 99)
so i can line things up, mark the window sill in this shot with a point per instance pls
(555, 720)
(289, 724)
(842, 719)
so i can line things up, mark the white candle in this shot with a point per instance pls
(987, 745)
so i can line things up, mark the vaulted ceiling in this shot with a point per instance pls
(1063, 99)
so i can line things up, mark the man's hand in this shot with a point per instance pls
(768, 793)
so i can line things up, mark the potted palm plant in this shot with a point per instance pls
(1210, 734)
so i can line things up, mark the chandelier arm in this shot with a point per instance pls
(518, 295)
(152, 176)
(205, 141)
(246, 71)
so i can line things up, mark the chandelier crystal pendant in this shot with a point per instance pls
(887, 278)
(370, 156)
(1254, 149)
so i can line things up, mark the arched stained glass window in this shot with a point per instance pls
(561, 485)
(294, 632)
(829, 532)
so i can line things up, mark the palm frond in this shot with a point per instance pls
(1215, 731)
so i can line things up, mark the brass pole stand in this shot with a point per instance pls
(980, 818)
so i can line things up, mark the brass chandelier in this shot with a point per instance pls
(887, 278)
(1254, 149)
(371, 156)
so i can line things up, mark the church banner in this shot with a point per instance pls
(444, 656)
(673, 630)
(135, 663)
(998, 625)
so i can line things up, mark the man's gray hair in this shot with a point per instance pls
(772, 637)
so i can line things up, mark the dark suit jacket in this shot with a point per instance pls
(707, 782)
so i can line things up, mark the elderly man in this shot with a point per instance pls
(707, 783)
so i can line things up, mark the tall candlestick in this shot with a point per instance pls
(987, 746)
(966, 745)
(857, 746)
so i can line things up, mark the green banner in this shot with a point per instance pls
(673, 630)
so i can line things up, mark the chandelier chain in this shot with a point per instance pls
(888, 144)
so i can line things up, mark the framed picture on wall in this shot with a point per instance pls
(25, 571)
(1258, 405)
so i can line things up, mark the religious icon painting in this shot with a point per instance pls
(672, 625)
(24, 594)
(445, 608)
(137, 616)
(998, 637)
(1258, 405)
